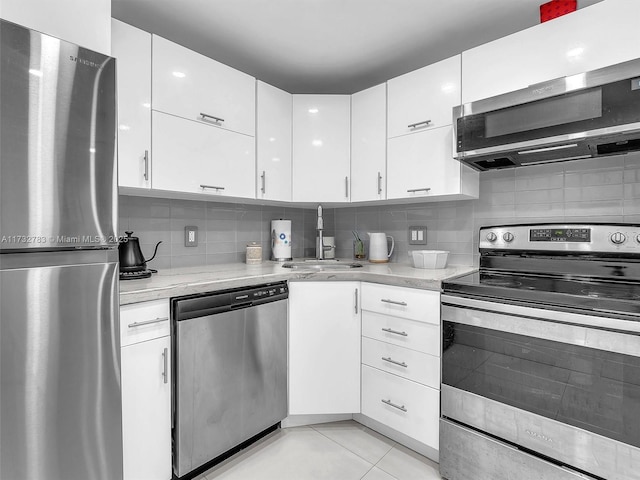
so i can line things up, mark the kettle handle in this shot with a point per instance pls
(393, 244)
(154, 252)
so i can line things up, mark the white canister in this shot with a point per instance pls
(254, 253)
(281, 240)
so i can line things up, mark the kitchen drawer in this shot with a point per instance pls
(144, 321)
(416, 411)
(421, 305)
(410, 364)
(419, 336)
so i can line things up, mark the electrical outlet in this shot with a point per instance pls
(417, 235)
(190, 236)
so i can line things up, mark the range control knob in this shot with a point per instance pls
(618, 238)
(507, 237)
(492, 237)
(638, 239)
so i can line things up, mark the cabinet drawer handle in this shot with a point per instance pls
(424, 123)
(148, 322)
(346, 187)
(413, 190)
(263, 177)
(356, 309)
(391, 404)
(396, 332)
(215, 119)
(165, 365)
(395, 362)
(379, 184)
(146, 165)
(386, 300)
(211, 186)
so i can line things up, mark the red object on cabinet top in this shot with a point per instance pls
(556, 8)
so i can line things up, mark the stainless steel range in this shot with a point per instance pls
(541, 356)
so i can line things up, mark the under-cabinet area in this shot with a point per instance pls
(356, 350)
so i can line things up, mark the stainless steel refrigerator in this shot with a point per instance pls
(60, 407)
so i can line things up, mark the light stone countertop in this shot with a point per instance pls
(206, 278)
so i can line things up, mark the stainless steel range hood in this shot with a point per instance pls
(587, 115)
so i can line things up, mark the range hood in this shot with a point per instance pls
(587, 115)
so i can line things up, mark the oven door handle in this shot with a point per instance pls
(546, 329)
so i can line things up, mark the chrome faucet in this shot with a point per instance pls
(320, 248)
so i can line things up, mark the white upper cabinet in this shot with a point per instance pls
(422, 166)
(77, 21)
(132, 49)
(321, 148)
(193, 157)
(420, 163)
(423, 99)
(369, 144)
(273, 143)
(590, 38)
(198, 88)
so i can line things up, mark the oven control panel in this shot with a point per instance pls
(608, 238)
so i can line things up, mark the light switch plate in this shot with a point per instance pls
(417, 235)
(190, 236)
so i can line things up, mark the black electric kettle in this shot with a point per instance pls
(131, 258)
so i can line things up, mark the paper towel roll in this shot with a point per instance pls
(281, 240)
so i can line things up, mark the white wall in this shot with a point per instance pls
(83, 22)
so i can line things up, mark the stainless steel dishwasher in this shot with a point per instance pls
(230, 372)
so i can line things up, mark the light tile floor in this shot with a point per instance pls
(329, 451)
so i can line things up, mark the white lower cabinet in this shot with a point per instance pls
(146, 390)
(324, 348)
(401, 360)
(406, 406)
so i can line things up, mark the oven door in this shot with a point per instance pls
(565, 386)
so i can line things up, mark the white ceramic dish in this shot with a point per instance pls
(429, 258)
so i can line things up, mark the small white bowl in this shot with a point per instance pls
(429, 258)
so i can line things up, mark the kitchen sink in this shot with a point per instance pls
(321, 265)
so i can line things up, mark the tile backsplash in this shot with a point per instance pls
(224, 229)
(605, 189)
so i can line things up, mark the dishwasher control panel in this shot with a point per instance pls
(264, 292)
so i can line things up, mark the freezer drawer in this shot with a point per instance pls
(60, 414)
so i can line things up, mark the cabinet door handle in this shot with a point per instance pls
(211, 186)
(146, 165)
(165, 365)
(356, 300)
(215, 119)
(413, 190)
(395, 362)
(391, 404)
(148, 322)
(379, 184)
(263, 177)
(393, 302)
(395, 332)
(346, 187)
(424, 123)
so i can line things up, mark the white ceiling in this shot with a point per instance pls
(330, 46)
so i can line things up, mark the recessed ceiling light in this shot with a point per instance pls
(37, 73)
(272, 139)
(146, 105)
(124, 128)
(313, 110)
(179, 74)
(316, 143)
